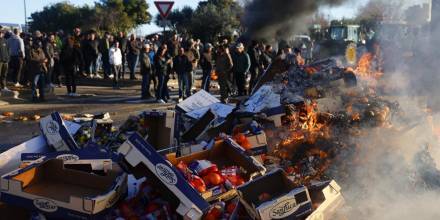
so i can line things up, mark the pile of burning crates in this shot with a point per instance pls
(203, 160)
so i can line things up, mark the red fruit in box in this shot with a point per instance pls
(246, 144)
(240, 138)
(126, 210)
(202, 167)
(236, 180)
(214, 179)
(151, 207)
(197, 183)
(214, 214)
(231, 207)
(182, 166)
(263, 197)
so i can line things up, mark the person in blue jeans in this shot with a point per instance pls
(146, 71)
(161, 63)
(38, 70)
(207, 64)
(182, 66)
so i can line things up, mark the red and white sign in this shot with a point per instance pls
(164, 7)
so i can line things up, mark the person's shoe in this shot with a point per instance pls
(6, 90)
(111, 76)
(180, 99)
(18, 85)
(75, 94)
(97, 76)
(161, 101)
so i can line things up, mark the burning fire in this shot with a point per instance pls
(369, 67)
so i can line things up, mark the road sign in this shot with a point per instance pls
(164, 23)
(164, 7)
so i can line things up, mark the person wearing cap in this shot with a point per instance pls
(115, 59)
(223, 66)
(146, 66)
(38, 69)
(242, 63)
(16, 50)
(4, 60)
(206, 62)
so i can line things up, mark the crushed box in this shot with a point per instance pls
(329, 197)
(56, 133)
(92, 159)
(48, 187)
(142, 160)
(274, 196)
(258, 143)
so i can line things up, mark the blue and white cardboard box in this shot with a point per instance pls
(333, 201)
(137, 152)
(285, 201)
(56, 133)
(10, 159)
(258, 143)
(47, 187)
(98, 159)
(197, 101)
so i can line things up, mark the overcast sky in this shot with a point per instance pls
(13, 10)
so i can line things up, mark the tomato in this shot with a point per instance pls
(214, 179)
(231, 207)
(198, 183)
(213, 214)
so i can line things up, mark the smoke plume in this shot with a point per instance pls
(279, 18)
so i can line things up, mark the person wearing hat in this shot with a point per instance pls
(223, 66)
(146, 66)
(4, 60)
(242, 63)
(206, 62)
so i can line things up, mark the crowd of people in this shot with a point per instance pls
(38, 60)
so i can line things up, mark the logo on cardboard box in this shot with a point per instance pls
(45, 205)
(68, 157)
(166, 174)
(283, 209)
(52, 127)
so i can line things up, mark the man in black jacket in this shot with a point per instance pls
(122, 39)
(254, 55)
(91, 52)
(4, 59)
(182, 66)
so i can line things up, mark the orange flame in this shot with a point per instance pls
(365, 67)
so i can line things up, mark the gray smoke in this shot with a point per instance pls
(279, 18)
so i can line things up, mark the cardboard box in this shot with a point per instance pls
(285, 200)
(199, 100)
(142, 160)
(275, 115)
(56, 133)
(199, 127)
(224, 153)
(161, 128)
(48, 187)
(258, 144)
(329, 197)
(10, 159)
(91, 159)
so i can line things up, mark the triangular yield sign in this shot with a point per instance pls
(164, 8)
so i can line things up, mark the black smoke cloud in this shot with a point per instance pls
(279, 18)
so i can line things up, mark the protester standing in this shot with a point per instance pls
(241, 66)
(104, 48)
(38, 70)
(91, 53)
(122, 39)
(134, 47)
(206, 62)
(16, 49)
(181, 66)
(69, 57)
(4, 60)
(254, 55)
(115, 56)
(146, 71)
(223, 68)
(49, 50)
(161, 63)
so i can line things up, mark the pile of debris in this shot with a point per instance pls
(270, 156)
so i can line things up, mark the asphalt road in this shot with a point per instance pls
(96, 96)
